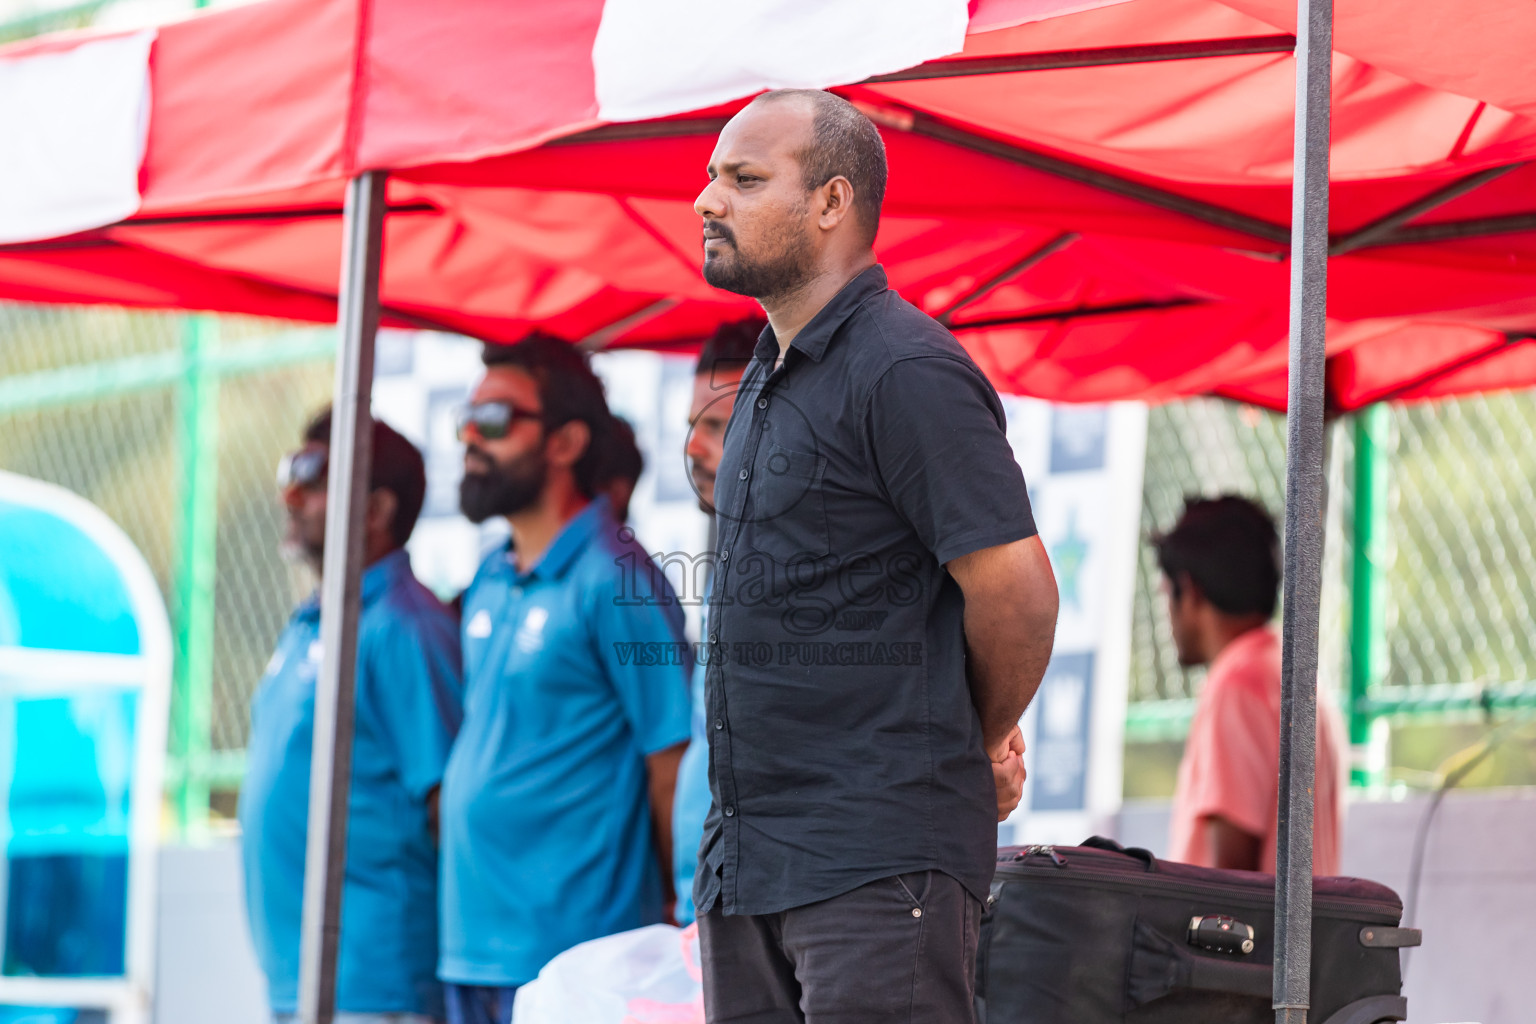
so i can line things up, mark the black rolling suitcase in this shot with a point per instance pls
(1097, 934)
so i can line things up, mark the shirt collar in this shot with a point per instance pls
(1247, 644)
(816, 335)
(377, 578)
(569, 542)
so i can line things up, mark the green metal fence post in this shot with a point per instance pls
(198, 456)
(1368, 594)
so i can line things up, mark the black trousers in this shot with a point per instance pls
(900, 949)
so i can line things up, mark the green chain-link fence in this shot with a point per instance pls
(1431, 516)
(173, 425)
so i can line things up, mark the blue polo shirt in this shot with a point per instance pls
(408, 707)
(574, 673)
(690, 804)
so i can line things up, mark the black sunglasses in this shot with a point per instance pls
(492, 420)
(306, 467)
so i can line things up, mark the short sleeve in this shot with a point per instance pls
(937, 438)
(416, 694)
(650, 676)
(1235, 742)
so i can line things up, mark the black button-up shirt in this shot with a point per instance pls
(845, 746)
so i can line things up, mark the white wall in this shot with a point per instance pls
(206, 970)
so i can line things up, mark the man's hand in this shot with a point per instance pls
(1008, 772)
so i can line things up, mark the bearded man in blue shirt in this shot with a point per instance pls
(557, 801)
(408, 706)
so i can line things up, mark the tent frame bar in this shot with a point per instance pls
(1018, 267)
(1384, 230)
(1105, 181)
(351, 459)
(605, 336)
(1455, 230)
(1439, 373)
(1089, 58)
(903, 119)
(1078, 313)
(1305, 511)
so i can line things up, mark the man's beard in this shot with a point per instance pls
(505, 490)
(786, 269)
(297, 549)
(695, 472)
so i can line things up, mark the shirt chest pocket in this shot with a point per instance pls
(787, 511)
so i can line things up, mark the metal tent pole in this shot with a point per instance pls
(1304, 512)
(341, 597)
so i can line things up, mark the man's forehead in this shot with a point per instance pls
(507, 382)
(763, 130)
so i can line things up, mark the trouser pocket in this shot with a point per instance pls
(914, 885)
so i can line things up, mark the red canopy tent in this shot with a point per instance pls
(1097, 201)
(1093, 194)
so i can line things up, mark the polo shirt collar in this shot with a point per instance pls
(569, 543)
(814, 338)
(378, 578)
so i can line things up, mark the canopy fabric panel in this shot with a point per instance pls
(1095, 196)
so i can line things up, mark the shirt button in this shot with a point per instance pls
(762, 403)
(917, 911)
(743, 474)
(730, 812)
(725, 556)
(714, 638)
(719, 723)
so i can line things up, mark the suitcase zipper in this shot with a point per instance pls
(1041, 850)
(1150, 879)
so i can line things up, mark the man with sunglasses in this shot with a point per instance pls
(408, 706)
(557, 800)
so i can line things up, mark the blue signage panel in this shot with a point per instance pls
(84, 678)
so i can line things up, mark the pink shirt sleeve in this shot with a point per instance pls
(1238, 739)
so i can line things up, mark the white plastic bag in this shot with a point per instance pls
(647, 976)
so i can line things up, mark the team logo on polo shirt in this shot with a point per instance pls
(311, 664)
(530, 635)
(480, 626)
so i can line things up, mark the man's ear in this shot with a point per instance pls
(567, 443)
(836, 198)
(1189, 590)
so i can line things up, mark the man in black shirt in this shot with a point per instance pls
(882, 610)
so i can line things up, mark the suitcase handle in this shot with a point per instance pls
(1160, 967)
(1104, 843)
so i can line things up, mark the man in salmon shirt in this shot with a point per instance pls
(1221, 568)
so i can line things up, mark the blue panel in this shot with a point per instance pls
(67, 815)
(1079, 435)
(58, 590)
(1060, 751)
(50, 1015)
(66, 916)
(71, 772)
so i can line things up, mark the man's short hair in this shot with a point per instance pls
(843, 142)
(1229, 548)
(730, 348)
(397, 466)
(619, 456)
(568, 390)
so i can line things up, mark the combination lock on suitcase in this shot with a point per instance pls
(1098, 934)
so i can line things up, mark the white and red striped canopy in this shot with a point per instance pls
(1094, 194)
